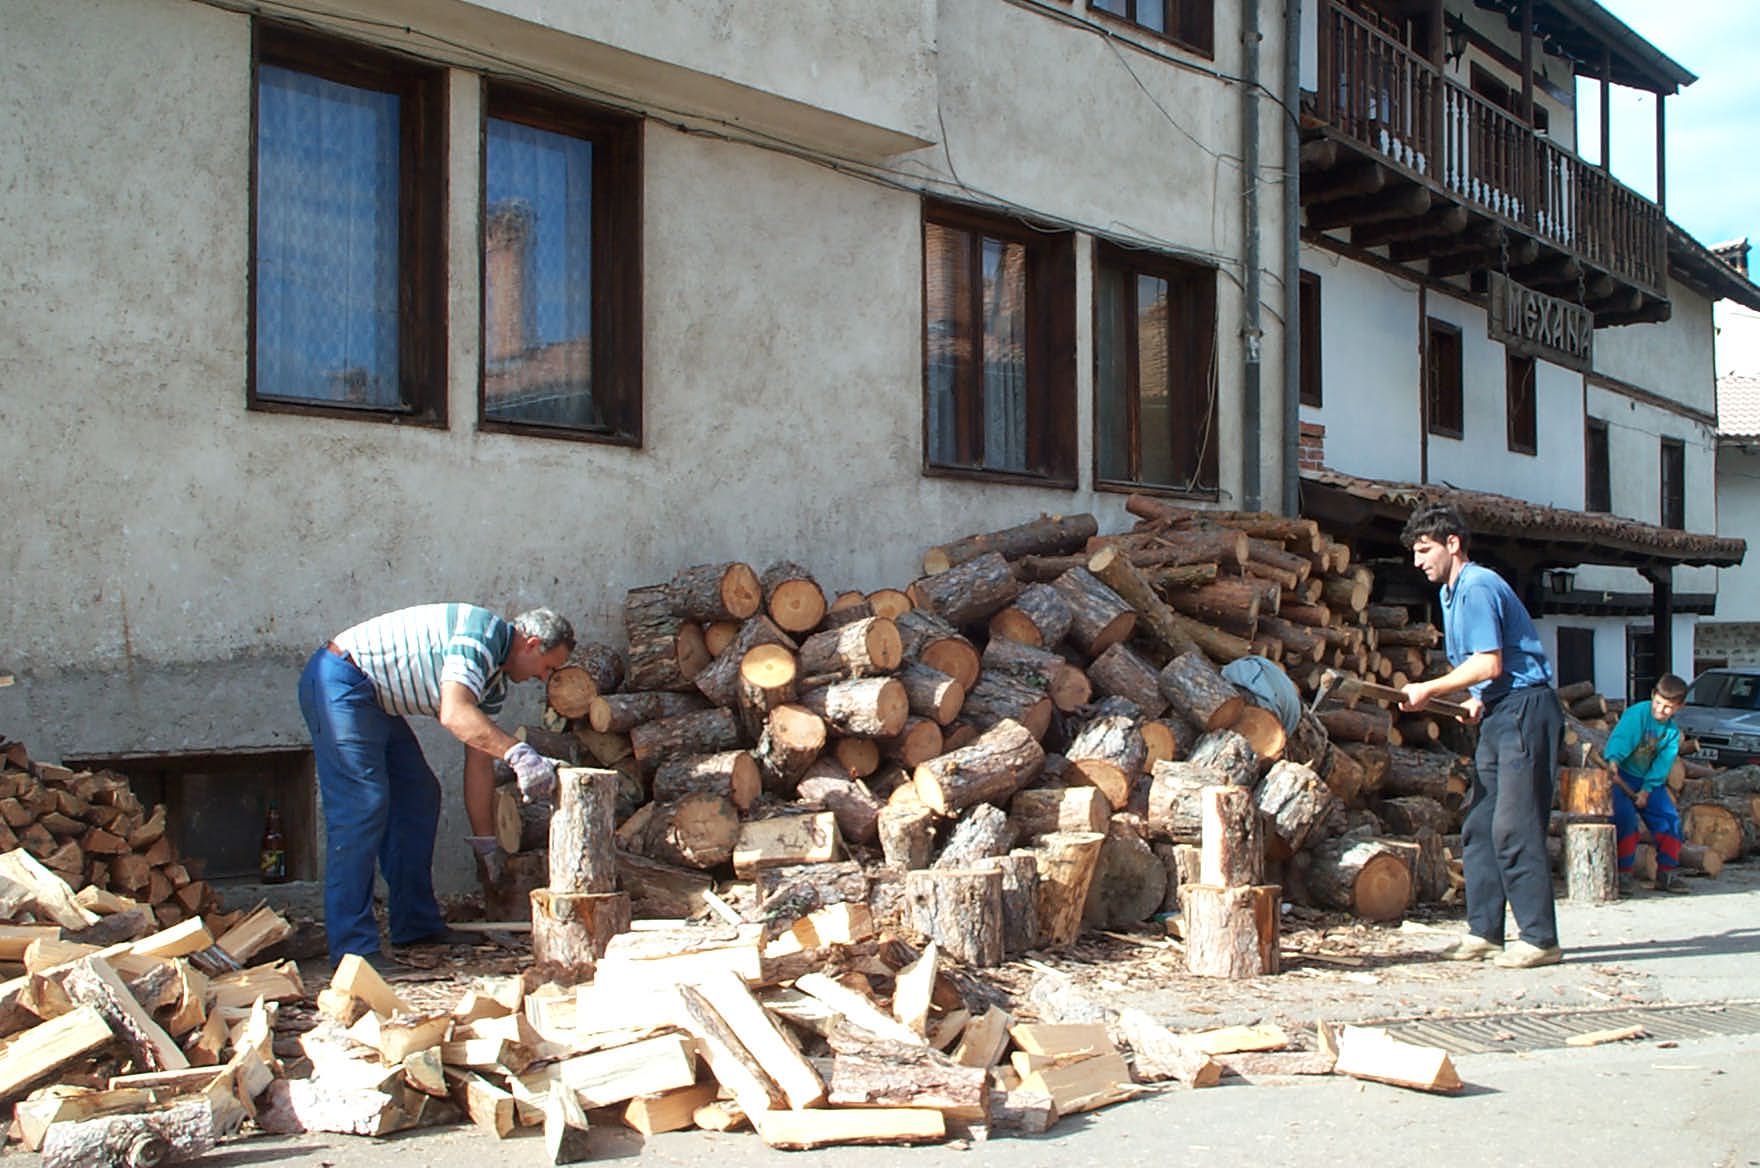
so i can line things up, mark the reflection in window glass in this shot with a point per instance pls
(1112, 423)
(326, 241)
(1005, 355)
(538, 277)
(1154, 407)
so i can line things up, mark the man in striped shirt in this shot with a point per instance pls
(381, 799)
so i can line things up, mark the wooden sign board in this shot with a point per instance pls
(1533, 324)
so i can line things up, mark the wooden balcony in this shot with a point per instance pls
(1406, 158)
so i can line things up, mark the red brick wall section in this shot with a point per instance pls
(1312, 446)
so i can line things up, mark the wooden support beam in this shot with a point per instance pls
(1399, 204)
(1438, 221)
(1521, 250)
(1359, 178)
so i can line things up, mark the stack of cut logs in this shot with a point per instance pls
(1011, 748)
(89, 828)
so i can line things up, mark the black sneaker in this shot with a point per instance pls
(1671, 882)
(1625, 884)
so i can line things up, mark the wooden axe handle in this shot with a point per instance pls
(1386, 693)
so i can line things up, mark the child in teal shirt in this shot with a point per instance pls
(1640, 753)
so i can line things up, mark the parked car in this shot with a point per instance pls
(1722, 711)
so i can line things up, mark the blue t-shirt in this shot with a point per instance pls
(1643, 748)
(1482, 614)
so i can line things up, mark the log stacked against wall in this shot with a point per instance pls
(1041, 661)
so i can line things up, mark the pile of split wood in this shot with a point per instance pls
(1007, 749)
(119, 1036)
(89, 828)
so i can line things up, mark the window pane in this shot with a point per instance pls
(1005, 355)
(1155, 420)
(538, 277)
(1112, 424)
(327, 240)
(1152, 14)
(1116, 7)
(947, 299)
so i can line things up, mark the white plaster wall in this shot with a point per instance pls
(1673, 358)
(172, 558)
(1610, 647)
(1738, 511)
(1480, 459)
(1370, 370)
(1635, 430)
(1738, 338)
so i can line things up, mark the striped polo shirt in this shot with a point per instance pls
(409, 653)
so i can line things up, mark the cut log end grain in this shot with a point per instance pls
(797, 605)
(570, 691)
(890, 603)
(768, 667)
(1262, 730)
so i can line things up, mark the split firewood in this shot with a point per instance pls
(177, 1133)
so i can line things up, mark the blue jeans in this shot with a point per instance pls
(381, 807)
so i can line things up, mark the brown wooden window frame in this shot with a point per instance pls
(422, 205)
(616, 261)
(1672, 481)
(1521, 406)
(1443, 358)
(1192, 287)
(1050, 351)
(1575, 658)
(1190, 24)
(1597, 468)
(1308, 307)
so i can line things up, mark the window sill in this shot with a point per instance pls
(560, 433)
(426, 420)
(1209, 494)
(1010, 478)
(1439, 432)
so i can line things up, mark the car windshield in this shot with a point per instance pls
(1727, 691)
(1743, 693)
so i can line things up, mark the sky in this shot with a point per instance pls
(1712, 126)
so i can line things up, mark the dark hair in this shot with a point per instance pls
(1669, 688)
(1435, 521)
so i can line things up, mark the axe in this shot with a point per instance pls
(1342, 685)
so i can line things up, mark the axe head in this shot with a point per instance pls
(1331, 681)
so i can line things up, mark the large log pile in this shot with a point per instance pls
(900, 786)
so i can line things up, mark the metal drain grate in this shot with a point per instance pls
(1541, 1030)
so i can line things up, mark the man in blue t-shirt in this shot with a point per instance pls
(1498, 659)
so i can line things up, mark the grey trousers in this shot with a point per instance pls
(1503, 840)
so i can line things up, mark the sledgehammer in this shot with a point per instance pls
(1343, 685)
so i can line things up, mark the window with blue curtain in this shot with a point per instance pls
(538, 277)
(347, 230)
(326, 240)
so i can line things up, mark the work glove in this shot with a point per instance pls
(536, 774)
(492, 855)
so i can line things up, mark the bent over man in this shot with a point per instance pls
(381, 799)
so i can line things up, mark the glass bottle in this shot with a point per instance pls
(272, 862)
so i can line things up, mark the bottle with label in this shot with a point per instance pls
(272, 863)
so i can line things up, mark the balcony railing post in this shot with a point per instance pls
(1327, 89)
